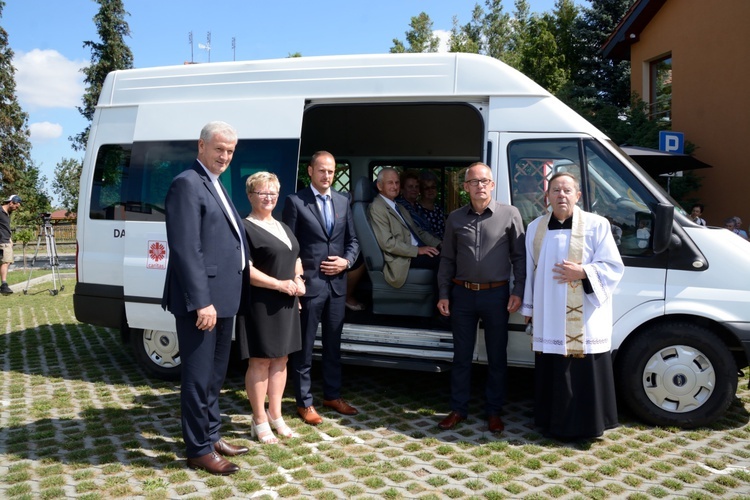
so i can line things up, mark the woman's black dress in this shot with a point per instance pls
(269, 327)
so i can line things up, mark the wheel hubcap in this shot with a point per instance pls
(162, 348)
(679, 379)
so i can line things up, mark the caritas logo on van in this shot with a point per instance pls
(157, 255)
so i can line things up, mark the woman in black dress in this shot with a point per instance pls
(271, 317)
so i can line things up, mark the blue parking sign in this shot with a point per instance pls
(671, 142)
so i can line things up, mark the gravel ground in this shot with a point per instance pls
(79, 419)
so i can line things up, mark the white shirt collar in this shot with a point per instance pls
(214, 178)
(316, 192)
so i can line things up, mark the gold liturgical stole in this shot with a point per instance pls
(574, 334)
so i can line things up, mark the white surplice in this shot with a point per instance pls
(545, 299)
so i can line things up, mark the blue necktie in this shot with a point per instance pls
(327, 216)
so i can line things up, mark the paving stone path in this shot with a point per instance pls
(78, 419)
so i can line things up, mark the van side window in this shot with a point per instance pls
(131, 181)
(342, 178)
(450, 193)
(110, 181)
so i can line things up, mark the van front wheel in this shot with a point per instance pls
(158, 352)
(677, 374)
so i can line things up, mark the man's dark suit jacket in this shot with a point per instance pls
(301, 214)
(202, 268)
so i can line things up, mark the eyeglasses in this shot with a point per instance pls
(272, 196)
(476, 182)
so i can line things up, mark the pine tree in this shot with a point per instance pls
(15, 147)
(420, 37)
(110, 54)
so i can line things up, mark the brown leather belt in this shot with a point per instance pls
(479, 286)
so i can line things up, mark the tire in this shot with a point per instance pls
(157, 352)
(677, 374)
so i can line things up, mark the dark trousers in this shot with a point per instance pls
(326, 310)
(204, 356)
(467, 307)
(425, 262)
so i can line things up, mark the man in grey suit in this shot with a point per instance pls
(321, 219)
(207, 259)
(403, 243)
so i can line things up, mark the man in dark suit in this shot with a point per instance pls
(207, 258)
(321, 219)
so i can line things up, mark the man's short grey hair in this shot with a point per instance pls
(382, 173)
(210, 129)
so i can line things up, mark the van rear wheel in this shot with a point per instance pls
(158, 352)
(677, 374)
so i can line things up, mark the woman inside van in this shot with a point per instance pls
(268, 330)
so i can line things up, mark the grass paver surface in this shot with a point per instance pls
(78, 419)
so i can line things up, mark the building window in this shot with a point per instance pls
(660, 80)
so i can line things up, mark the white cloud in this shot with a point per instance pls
(445, 38)
(44, 131)
(47, 79)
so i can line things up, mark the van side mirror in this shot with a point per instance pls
(663, 221)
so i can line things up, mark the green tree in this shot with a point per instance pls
(496, 31)
(15, 147)
(109, 54)
(597, 82)
(565, 16)
(539, 57)
(66, 183)
(18, 173)
(468, 38)
(420, 37)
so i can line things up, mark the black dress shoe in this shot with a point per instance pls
(229, 450)
(451, 420)
(213, 463)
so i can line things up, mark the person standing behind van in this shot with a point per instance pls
(483, 241)
(207, 259)
(696, 214)
(321, 219)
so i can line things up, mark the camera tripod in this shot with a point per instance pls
(47, 231)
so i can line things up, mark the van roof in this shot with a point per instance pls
(352, 76)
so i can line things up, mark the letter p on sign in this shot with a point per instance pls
(671, 142)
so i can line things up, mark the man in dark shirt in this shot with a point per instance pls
(483, 241)
(6, 244)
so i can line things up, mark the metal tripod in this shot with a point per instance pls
(47, 231)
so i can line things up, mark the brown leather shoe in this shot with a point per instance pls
(340, 406)
(309, 415)
(229, 450)
(451, 420)
(213, 463)
(495, 423)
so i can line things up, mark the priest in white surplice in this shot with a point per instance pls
(572, 269)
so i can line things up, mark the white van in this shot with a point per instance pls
(682, 321)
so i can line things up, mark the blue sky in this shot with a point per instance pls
(47, 37)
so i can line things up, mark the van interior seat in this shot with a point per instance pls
(417, 296)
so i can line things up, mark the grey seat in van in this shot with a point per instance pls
(417, 296)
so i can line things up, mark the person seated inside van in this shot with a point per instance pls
(403, 243)
(408, 198)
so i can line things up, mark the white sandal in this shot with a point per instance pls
(263, 432)
(282, 429)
